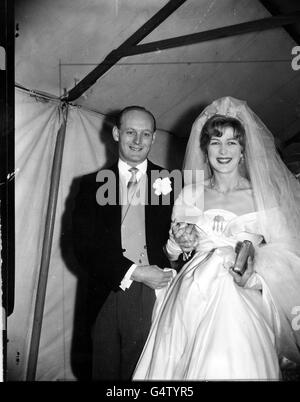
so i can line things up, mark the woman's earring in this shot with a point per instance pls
(241, 159)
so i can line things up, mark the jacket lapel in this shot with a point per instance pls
(112, 213)
(150, 210)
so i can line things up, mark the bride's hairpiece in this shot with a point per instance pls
(231, 111)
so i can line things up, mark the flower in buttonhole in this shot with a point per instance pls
(162, 186)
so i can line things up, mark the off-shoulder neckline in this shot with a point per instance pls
(230, 212)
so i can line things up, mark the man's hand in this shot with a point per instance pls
(185, 235)
(152, 276)
(241, 280)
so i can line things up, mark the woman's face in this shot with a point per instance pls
(224, 153)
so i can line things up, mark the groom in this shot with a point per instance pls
(120, 245)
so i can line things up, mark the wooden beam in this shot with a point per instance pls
(224, 32)
(276, 8)
(114, 56)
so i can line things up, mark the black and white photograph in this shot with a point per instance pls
(150, 194)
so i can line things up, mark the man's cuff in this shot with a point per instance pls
(126, 281)
(172, 249)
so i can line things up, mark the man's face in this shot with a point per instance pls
(135, 136)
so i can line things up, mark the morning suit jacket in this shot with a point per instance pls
(97, 240)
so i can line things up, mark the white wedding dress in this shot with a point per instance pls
(205, 326)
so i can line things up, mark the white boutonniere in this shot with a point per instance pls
(162, 186)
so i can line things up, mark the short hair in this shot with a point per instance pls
(215, 126)
(130, 108)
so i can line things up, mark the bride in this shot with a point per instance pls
(212, 323)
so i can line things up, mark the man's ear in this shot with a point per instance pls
(153, 137)
(115, 133)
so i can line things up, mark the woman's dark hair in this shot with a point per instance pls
(215, 126)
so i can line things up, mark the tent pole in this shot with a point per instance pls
(46, 250)
(113, 57)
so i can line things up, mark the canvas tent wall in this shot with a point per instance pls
(88, 147)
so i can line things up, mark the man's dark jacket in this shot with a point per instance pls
(96, 231)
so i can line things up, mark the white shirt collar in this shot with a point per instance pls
(124, 169)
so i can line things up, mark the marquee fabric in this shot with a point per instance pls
(88, 147)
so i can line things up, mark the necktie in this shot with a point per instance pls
(131, 186)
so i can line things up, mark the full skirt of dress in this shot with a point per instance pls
(206, 327)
